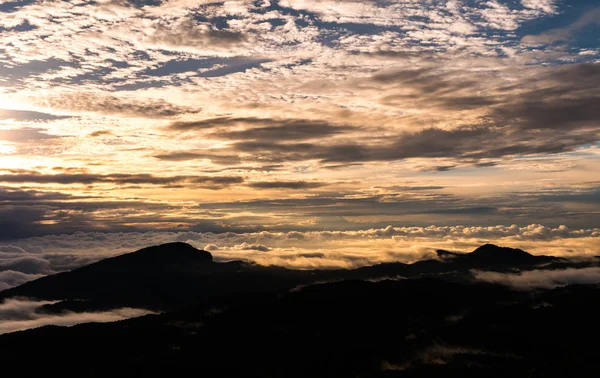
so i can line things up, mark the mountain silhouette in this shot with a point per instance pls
(420, 327)
(491, 256)
(162, 277)
(170, 256)
(177, 275)
(237, 319)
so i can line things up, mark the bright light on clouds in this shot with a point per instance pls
(298, 116)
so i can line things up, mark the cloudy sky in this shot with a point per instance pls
(127, 122)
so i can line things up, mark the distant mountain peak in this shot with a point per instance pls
(157, 256)
(487, 246)
(492, 255)
(494, 249)
(175, 249)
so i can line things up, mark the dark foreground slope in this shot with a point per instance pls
(432, 319)
(405, 328)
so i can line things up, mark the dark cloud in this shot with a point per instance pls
(263, 129)
(216, 182)
(400, 188)
(8, 195)
(554, 111)
(286, 185)
(480, 142)
(416, 75)
(190, 155)
(209, 182)
(139, 3)
(223, 226)
(33, 219)
(26, 213)
(330, 209)
(552, 97)
(109, 104)
(19, 221)
(476, 142)
(328, 205)
(280, 130)
(287, 148)
(211, 123)
(478, 210)
(590, 196)
(100, 133)
(432, 87)
(568, 100)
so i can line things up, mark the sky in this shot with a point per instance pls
(302, 133)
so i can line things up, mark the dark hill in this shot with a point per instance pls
(238, 319)
(165, 257)
(177, 275)
(490, 256)
(416, 328)
(162, 277)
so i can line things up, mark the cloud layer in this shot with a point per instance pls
(30, 258)
(542, 279)
(20, 314)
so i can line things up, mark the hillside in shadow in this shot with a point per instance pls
(430, 318)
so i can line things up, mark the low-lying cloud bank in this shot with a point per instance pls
(542, 278)
(26, 259)
(11, 278)
(21, 314)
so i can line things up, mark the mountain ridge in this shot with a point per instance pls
(429, 318)
(153, 257)
(492, 255)
(176, 275)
